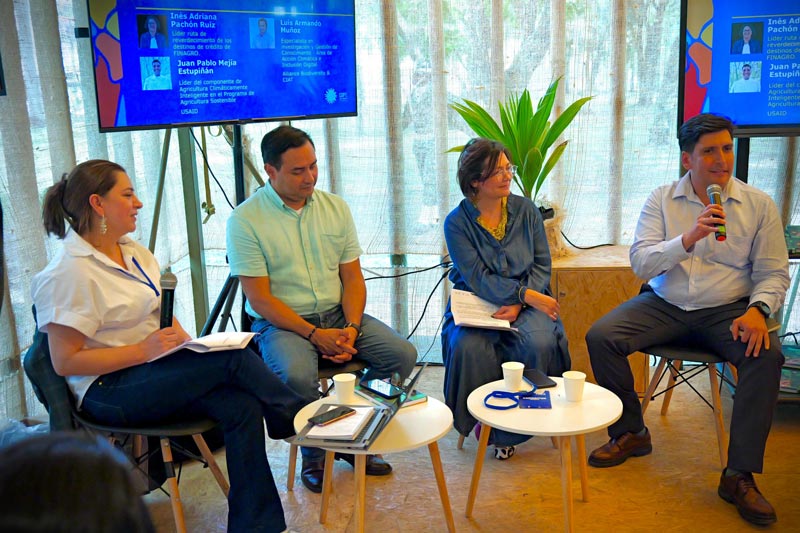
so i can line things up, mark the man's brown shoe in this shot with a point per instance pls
(741, 490)
(615, 451)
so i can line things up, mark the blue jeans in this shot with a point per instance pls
(236, 389)
(295, 359)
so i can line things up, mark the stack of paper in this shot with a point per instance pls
(473, 311)
(224, 340)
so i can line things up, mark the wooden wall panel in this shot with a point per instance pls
(588, 284)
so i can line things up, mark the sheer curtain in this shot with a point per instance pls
(390, 162)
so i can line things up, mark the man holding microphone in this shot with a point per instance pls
(716, 270)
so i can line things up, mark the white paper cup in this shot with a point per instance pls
(573, 385)
(512, 375)
(344, 387)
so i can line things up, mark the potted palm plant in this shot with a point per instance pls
(526, 132)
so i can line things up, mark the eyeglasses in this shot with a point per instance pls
(511, 170)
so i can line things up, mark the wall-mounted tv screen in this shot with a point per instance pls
(741, 58)
(169, 63)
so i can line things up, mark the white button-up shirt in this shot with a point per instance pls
(751, 263)
(83, 289)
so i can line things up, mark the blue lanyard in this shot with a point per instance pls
(506, 395)
(149, 282)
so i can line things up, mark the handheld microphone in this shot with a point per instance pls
(714, 192)
(168, 284)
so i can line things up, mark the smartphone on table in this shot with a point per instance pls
(332, 415)
(538, 378)
(383, 388)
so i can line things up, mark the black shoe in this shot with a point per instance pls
(375, 465)
(311, 474)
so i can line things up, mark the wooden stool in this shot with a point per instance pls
(672, 357)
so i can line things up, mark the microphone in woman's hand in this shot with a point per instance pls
(168, 284)
(714, 192)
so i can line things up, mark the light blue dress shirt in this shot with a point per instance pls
(752, 262)
(299, 252)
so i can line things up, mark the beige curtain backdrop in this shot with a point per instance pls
(389, 162)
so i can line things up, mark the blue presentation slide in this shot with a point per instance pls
(168, 62)
(754, 60)
(761, 77)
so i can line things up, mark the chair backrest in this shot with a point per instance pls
(50, 388)
(247, 320)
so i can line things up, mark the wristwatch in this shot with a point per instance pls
(355, 327)
(762, 307)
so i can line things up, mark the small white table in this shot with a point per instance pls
(599, 409)
(411, 428)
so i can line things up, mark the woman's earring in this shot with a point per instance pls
(103, 225)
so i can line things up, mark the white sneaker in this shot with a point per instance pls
(504, 452)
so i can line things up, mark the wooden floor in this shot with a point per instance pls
(674, 489)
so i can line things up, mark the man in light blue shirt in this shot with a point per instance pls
(295, 251)
(711, 293)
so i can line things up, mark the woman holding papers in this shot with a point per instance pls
(499, 251)
(99, 302)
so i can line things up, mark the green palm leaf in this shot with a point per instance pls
(551, 162)
(525, 131)
(478, 119)
(564, 120)
(531, 167)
